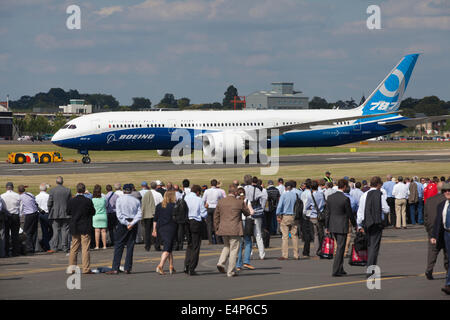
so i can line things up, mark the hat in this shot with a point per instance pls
(144, 183)
(328, 172)
(445, 186)
(346, 178)
(128, 187)
(9, 184)
(270, 183)
(158, 182)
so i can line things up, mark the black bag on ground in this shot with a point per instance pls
(249, 225)
(360, 241)
(180, 211)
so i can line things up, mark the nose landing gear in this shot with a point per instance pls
(86, 159)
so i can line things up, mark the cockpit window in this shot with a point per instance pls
(72, 126)
(64, 126)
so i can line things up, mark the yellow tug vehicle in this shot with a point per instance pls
(35, 157)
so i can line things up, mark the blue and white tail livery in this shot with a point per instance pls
(389, 93)
(227, 130)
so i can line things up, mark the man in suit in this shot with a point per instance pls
(372, 211)
(430, 212)
(228, 224)
(441, 229)
(337, 223)
(81, 209)
(58, 198)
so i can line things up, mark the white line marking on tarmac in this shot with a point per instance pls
(59, 168)
(351, 158)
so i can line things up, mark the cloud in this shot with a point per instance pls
(4, 57)
(140, 67)
(107, 11)
(415, 23)
(351, 28)
(417, 14)
(43, 67)
(49, 42)
(256, 60)
(211, 72)
(164, 10)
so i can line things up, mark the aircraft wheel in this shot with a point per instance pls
(86, 160)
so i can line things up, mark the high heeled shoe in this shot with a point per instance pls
(160, 271)
(172, 270)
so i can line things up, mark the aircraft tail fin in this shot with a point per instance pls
(389, 93)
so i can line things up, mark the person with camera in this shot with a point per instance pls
(228, 224)
(249, 227)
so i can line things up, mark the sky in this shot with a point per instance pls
(197, 48)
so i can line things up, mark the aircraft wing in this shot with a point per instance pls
(307, 125)
(414, 121)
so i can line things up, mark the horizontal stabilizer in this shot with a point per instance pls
(413, 121)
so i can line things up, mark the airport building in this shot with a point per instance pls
(282, 96)
(6, 122)
(76, 106)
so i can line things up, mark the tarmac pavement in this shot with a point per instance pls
(8, 169)
(402, 261)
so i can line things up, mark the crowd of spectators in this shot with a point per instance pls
(124, 216)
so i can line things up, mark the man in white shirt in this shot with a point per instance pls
(370, 220)
(12, 226)
(46, 227)
(157, 196)
(400, 193)
(356, 193)
(210, 199)
(118, 189)
(197, 212)
(280, 186)
(329, 190)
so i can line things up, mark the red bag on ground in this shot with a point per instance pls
(358, 258)
(327, 248)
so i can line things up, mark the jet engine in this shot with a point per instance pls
(223, 145)
(164, 153)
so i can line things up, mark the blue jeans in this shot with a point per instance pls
(420, 211)
(247, 251)
(412, 212)
(447, 246)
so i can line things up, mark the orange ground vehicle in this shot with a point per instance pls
(35, 157)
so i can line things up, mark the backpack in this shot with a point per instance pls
(273, 195)
(298, 208)
(256, 205)
(180, 211)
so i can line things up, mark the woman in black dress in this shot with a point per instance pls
(164, 224)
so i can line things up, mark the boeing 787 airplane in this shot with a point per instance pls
(225, 132)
